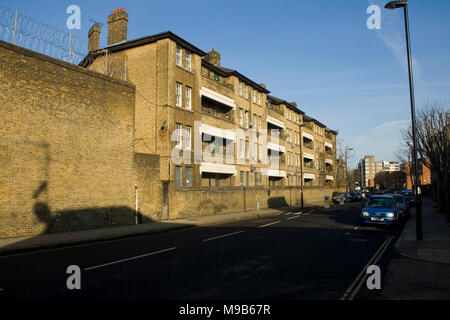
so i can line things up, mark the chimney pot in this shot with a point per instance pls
(213, 57)
(94, 37)
(117, 26)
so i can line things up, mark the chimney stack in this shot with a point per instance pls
(94, 37)
(294, 104)
(117, 26)
(213, 57)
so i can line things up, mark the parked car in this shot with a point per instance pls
(381, 210)
(352, 196)
(335, 197)
(402, 203)
(409, 194)
(358, 195)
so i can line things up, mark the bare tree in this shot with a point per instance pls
(344, 152)
(433, 146)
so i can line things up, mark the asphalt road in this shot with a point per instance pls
(291, 256)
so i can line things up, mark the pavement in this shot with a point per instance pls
(47, 241)
(435, 245)
(419, 270)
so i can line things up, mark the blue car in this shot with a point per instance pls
(381, 210)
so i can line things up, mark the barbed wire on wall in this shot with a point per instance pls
(107, 63)
(31, 34)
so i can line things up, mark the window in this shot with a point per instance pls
(254, 121)
(241, 149)
(246, 119)
(241, 117)
(247, 151)
(255, 151)
(179, 55)
(178, 133)
(259, 122)
(260, 179)
(178, 172)
(260, 157)
(256, 179)
(187, 137)
(259, 98)
(245, 91)
(242, 178)
(188, 60)
(254, 96)
(188, 103)
(178, 92)
(247, 178)
(240, 88)
(188, 177)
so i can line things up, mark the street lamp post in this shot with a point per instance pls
(346, 166)
(394, 5)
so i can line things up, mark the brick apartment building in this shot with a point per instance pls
(185, 95)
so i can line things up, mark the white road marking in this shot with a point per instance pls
(223, 236)
(352, 290)
(355, 228)
(347, 233)
(269, 224)
(294, 217)
(288, 213)
(299, 213)
(305, 214)
(128, 259)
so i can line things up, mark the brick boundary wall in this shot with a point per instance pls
(66, 146)
(203, 201)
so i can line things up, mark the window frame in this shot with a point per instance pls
(179, 56)
(178, 94)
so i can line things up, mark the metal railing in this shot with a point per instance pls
(216, 78)
(213, 112)
(275, 108)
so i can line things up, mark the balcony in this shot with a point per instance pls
(309, 165)
(218, 113)
(277, 108)
(217, 79)
(308, 145)
(308, 125)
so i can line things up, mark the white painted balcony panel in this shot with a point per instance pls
(309, 136)
(217, 132)
(210, 167)
(276, 147)
(309, 176)
(308, 156)
(275, 122)
(205, 92)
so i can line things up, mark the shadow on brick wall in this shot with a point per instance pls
(277, 202)
(83, 218)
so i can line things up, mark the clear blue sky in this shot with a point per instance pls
(318, 53)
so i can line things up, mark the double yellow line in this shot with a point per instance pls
(361, 278)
